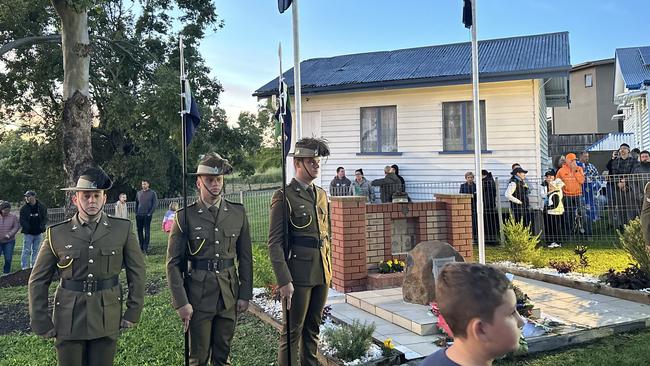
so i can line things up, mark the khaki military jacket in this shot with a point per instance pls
(227, 237)
(308, 217)
(77, 254)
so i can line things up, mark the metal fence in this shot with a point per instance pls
(592, 211)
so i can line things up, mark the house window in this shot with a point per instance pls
(589, 80)
(379, 129)
(458, 126)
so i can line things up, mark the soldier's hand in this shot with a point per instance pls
(242, 305)
(49, 334)
(126, 324)
(185, 313)
(286, 292)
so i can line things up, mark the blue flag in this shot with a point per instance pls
(283, 5)
(190, 113)
(284, 109)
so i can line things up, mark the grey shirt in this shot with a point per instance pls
(146, 202)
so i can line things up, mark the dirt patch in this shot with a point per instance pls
(154, 286)
(20, 278)
(15, 318)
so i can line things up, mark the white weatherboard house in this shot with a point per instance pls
(632, 93)
(413, 107)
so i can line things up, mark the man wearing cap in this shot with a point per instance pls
(304, 268)
(573, 177)
(33, 218)
(517, 194)
(212, 234)
(8, 228)
(88, 251)
(623, 203)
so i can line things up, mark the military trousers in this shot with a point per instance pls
(305, 316)
(87, 352)
(211, 335)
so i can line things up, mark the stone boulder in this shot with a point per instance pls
(419, 285)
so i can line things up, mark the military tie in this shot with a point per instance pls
(310, 190)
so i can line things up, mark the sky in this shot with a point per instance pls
(244, 54)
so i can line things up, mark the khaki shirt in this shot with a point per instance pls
(221, 235)
(308, 216)
(94, 251)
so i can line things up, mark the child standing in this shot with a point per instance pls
(553, 209)
(168, 220)
(480, 307)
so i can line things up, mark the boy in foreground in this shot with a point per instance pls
(478, 303)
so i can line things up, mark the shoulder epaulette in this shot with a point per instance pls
(60, 223)
(190, 205)
(233, 202)
(117, 218)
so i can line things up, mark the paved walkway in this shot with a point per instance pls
(585, 316)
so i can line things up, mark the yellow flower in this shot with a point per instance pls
(390, 263)
(388, 343)
(402, 264)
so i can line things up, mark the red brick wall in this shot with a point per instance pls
(348, 221)
(361, 233)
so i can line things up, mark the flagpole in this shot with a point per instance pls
(477, 141)
(184, 183)
(296, 70)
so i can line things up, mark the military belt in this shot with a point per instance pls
(214, 265)
(90, 286)
(306, 241)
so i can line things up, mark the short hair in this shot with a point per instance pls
(515, 165)
(645, 152)
(122, 194)
(467, 174)
(387, 169)
(584, 152)
(339, 169)
(636, 150)
(465, 291)
(145, 180)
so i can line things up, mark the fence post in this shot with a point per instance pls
(499, 211)
(241, 197)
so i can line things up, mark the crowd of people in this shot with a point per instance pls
(391, 183)
(574, 195)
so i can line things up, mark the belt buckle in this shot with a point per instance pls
(214, 266)
(90, 286)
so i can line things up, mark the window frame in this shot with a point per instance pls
(589, 77)
(465, 104)
(380, 150)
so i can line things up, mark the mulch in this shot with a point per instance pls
(20, 278)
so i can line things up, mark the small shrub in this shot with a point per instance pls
(391, 266)
(520, 244)
(581, 252)
(350, 342)
(263, 275)
(524, 305)
(631, 278)
(388, 347)
(631, 240)
(538, 261)
(562, 266)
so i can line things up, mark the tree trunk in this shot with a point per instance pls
(77, 113)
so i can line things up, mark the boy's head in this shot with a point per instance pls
(480, 307)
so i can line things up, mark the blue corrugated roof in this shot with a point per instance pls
(635, 66)
(612, 141)
(525, 57)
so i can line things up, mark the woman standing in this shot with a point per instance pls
(361, 187)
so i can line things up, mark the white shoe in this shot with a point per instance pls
(554, 245)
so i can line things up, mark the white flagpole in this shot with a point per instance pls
(477, 141)
(296, 70)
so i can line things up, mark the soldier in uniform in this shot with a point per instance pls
(215, 235)
(304, 269)
(88, 251)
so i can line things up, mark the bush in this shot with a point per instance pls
(520, 244)
(391, 266)
(350, 342)
(631, 240)
(632, 278)
(263, 275)
(562, 266)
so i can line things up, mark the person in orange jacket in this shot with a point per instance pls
(573, 177)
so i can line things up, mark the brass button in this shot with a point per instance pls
(217, 255)
(217, 272)
(90, 275)
(233, 234)
(216, 241)
(91, 247)
(67, 257)
(91, 261)
(89, 294)
(216, 229)
(58, 303)
(198, 237)
(113, 252)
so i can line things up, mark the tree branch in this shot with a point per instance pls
(27, 41)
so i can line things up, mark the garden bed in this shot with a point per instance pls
(270, 312)
(380, 281)
(572, 280)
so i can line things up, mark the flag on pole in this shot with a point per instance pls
(467, 13)
(284, 109)
(283, 5)
(190, 113)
